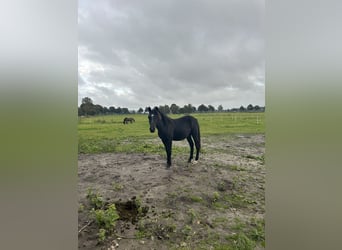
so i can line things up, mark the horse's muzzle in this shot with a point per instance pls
(152, 130)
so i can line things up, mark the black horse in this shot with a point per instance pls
(175, 129)
(127, 120)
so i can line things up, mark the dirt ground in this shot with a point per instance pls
(189, 206)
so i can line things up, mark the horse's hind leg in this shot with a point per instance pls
(197, 145)
(191, 143)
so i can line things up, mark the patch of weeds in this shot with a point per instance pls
(236, 200)
(105, 220)
(224, 185)
(257, 232)
(160, 229)
(258, 158)
(216, 196)
(95, 199)
(219, 221)
(186, 190)
(220, 165)
(195, 198)
(219, 246)
(187, 231)
(167, 214)
(141, 234)
(192, 215)
(238, 225)
(237, 183)
(237, 168)
(221, 186)
(172, 195)
(143, 230)
(213, 241)
(220, 205)
(117, 186)
(101, 235)
(240, 241)
(137, 201)
(261, 158)
(81, 208)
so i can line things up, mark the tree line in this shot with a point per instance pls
(88, 108)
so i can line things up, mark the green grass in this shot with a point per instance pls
(101, 134)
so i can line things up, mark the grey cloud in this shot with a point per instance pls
(167, 49)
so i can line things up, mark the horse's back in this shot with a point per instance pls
(184, 126)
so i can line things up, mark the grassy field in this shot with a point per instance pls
(218, 203)
(108, 134)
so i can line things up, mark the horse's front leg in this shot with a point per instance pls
(168, 148)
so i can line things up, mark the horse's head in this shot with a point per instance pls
(153, 117)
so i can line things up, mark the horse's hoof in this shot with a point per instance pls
(194, 162)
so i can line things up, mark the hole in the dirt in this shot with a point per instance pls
(131, 210)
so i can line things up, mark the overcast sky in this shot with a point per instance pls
(145, 53)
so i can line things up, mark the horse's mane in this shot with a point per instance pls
(164, 117)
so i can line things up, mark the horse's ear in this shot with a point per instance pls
(156, 108)
(148, 109)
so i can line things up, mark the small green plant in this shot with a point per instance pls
(187, 231)
(195, 198)
(216, 196)
(144, 230)
(192, 214)
(138, 201)
(96, 201)
(257, 233)
(101, 235)
(81, 208)
(106, 218)
(241, 242)
(221, 186)
(117, 186)
(237, 168)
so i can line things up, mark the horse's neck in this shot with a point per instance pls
(165, 118)
(165, 121)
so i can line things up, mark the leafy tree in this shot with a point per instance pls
(188, 109)
(242, 108)
(105, 110)
(250, 107)
(174, 109)
(124, 111)
(167, 109)
(140, 110)
(87, 106)
(211, 108)
(87, 100)
(80, 111)
(164, 109)
(202, 108)
(98, 109)
(111, 110)
(220, 108)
